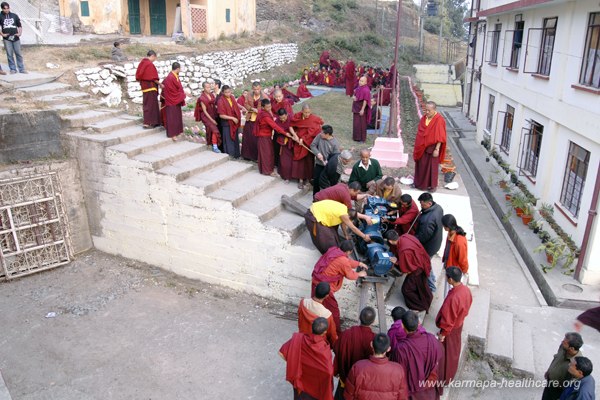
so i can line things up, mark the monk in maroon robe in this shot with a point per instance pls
(249, 140)
(324, 59)
(420, 354)
(305, 78)
(303, 91)
(293, 98)
(206, 111)
(590, 318)
(350, 77)
(334, 64)
(242, 99)
(265, 123)
(229, 118)
(430, 148)
(450, 320)
(361, 110)
(147, 75)
(174, 99)
(306, 127)
(286, 145)
(354, 344)
(309, 365)
(413, 260)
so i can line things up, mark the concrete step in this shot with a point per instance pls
(211, 180)
(68, 109)
(170, 153)
(113, 123)
(46, 88)
(25, 80)
(304, 240)
(83, 118)
(476, 323)
(64, 97)
(499, 347)
(523, 364)
(195, 164)
(120, 136)
(289, 222)
(243, 187)
(268, 203)
(144, 144)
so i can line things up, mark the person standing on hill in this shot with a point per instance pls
(361, 110)
(430, 148)
(174, 98)
(147, 75)
(11, 29)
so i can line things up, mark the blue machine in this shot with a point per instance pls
(376, 251)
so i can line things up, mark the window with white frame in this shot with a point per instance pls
(494, 44)
(547, 46)
(517, 42)
(590, 68)
(507, 129)
(490, 113)
(532, 144)
(574, 179)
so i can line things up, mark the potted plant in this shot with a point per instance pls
(518, 201)
(503, 184)
(535, 226)
(546, 210)
(526, 217)
(508, 192)
(556, 250)
(543, 235)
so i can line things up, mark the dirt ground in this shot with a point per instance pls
(126, 330)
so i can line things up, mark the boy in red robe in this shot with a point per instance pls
(309, 366)
(306, 126)
(174, 99)
(324, 59)
(286, 145)
(147, 75)
(206, 112)
(277, 103)
(413, 260)
(265, 124)
(354, 344)
(430, 148)
(311, 309)
(450, 320)
(350, 77)
(252, 105)
(333, 267)
(229, 117)
(361, 110)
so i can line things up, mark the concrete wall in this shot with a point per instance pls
(567, 113)
(29, 135)
(72, 194)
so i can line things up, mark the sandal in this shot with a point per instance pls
(147, 126)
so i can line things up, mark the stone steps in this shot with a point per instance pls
(170, 153)
(143, 144)
(476, 323)
(293, 223)
(523, 363)
(186, 167)
(86, 117)
(46, 88)
(64, 97)
(499, 346)
(121, 136)
(114, 123)
(213, 179)
(268, 203)
(242, 187)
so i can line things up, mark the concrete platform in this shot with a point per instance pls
(195, 164)
(115, 122)
(242, 187)
(118, 137)
(143, 144)
(288, 222)
(83, 118)
(476, 324)
(523, 362)
(215, 178)
(268, 203)
(165, 155)
(25, 80)
(64, 97)
(499, 347)
(46, 88)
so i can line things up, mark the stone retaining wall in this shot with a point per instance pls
(231, 67)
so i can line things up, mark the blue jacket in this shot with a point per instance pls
(583, 389)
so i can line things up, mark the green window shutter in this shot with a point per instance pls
(85, 8)
(227, 15)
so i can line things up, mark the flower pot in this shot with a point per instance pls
(526, 219)
(549, 258)
(536, 230)
(487, 159)
(503, 184)
(519, 211)
(507, 197)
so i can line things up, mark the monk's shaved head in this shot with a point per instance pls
(432, 104)
(410, 321)
(381, 343)
(255, 84)
(389, 181)
(454, 273)
(398, 313)
(367, 316)
(319, 326)
(322, 290)
(365, 153)
(305, 106)
(362, 81)
(346, 246)
(278, 95)
(205, 85)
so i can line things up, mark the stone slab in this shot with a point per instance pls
(147, 143)
(30, 79)
(499, 347)
(476, 324)
(195, 164)
(82, 118)
(169, 153)
(113, 123)
(523, 363)
(215, 178)
(46, 88)
(267, 203)
(288, 222)
(242, 187)
(63, 97)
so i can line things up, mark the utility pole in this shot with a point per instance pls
(395, 94)
(421, 29)
(441, 29)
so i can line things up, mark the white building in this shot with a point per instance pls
(533, 88)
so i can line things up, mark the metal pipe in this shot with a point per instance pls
(481, 76)
(592, 213)
(395, 94)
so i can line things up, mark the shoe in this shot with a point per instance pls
(216, 149)
(24, 72)
(147, 127)
(2, 72)
(13, 72)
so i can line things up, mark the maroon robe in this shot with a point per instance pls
(354, 344)
(414, 261)
(303, 91)
(147, 75)
(266, 125)
(360, 122)
(324, 59)
(350, 77)
(230, 141)
(450, 320)
(591, 318)
(285, 104)
(174, 99)
(213, 136)
(286, 152)
(426, 166)
(309, 367)
(334, 64)
(420, 354)
(306, 129)
(249, 140)
(290, 96)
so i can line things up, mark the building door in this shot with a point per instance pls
(158, 17)
(134, 17)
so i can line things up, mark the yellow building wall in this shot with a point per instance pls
(105, 16)
(243, 17)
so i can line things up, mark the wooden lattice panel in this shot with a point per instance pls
(199, 20)
(33, 226)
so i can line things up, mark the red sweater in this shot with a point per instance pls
(376, 379)
(266, 125)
